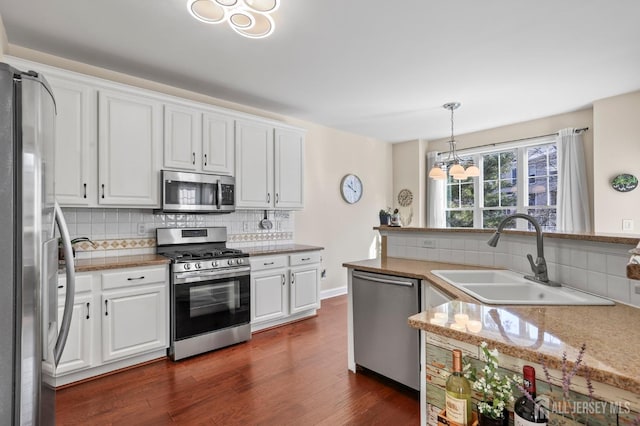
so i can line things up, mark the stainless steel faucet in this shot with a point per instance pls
(539, 267)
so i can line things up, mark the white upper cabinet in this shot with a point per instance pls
(129, 144)
(289, 169)
(254, 165)
(198, 140)
(269, 166)
(76, 152)
(218, 143)
(182, 137)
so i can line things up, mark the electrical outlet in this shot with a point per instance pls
(637, 288)
(428, 243)
(246, 226)
(142, 229)
(627, 224)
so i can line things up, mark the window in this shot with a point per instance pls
(516, 179)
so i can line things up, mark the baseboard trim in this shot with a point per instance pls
(332, 292)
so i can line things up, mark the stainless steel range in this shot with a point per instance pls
(210, 295)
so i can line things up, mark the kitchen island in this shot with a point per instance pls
(533, 335)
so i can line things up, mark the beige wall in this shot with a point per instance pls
(543, 126)
(345, 231)
(409, 165)
(4, 44)
(616, 151)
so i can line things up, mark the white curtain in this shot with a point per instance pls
(573, 214)
(435, 196)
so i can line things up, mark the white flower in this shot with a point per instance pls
(483, 344)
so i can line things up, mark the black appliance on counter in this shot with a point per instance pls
(210, 290)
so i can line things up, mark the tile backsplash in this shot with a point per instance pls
(598, 268)
(117, 232)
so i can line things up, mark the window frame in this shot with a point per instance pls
(522, 180)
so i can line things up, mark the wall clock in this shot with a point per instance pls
(351, 188)
(405, 198)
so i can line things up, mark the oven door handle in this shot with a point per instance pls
(195, 276)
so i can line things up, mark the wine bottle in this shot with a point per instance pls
(526, 411)
(458, 395)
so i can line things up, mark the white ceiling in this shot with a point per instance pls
(372, 67)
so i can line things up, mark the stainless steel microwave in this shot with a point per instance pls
(185, 192)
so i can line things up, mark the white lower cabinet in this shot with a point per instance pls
(120, 318)
(284, 288)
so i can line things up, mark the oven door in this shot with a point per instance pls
(197, 192)
(203, 302)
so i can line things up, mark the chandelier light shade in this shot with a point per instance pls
(249, 18)
(456, 170)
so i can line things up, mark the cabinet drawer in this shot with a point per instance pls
(83, 283)
(133, 277)
(304, 258)
(267, 262)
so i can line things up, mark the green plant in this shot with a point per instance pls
(385, 212)
(496, 389)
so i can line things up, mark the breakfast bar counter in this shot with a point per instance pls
(536, 335)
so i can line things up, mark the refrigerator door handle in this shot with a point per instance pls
(71, 286)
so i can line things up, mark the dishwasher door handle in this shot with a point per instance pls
(382, 280)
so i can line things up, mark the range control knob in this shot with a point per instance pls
(187, 266)
(230, 262)
(240, 261)
(214, 264)
(198, 265)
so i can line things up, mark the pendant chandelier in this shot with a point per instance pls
(249, 18)
(453, 162)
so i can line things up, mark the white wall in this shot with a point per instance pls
(409, 165)
(345, 231)
(616, 151)
(4, 44)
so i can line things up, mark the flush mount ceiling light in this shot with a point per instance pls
(249, 18)
(457, 171)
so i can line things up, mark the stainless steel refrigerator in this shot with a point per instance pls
(29, 329)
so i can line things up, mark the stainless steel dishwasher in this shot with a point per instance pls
(383, 341)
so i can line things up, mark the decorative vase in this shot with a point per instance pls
(489, 421)
(384, 220)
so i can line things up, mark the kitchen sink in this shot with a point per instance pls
(502, 287)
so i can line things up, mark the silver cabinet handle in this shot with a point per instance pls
(382, 280)
(277, 198)
(304, 259)
(135, 279)
(283, 280)
(85, 190)
(293, 279)
(71, 286)
(205, 159)
(194, 158)
(103, 190)
(268, 197)
(268, 263)
(88, 305)
(106, 308)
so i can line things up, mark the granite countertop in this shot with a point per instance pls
(116, 262)
(602, 238)
(278, 249)
(612, 355)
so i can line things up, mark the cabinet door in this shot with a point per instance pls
(182, 138)
(129, 141)
(76, 149)
(254, 165)
(77, 351)
(217, 144)
(289, 169)
(305, 291)
(268, 295)
(134, 321)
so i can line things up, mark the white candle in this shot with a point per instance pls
(474, 326)
(438, 321)
(441, 315)
(461, 319)
(458, 327)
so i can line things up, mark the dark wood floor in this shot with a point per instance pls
(296, 374)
